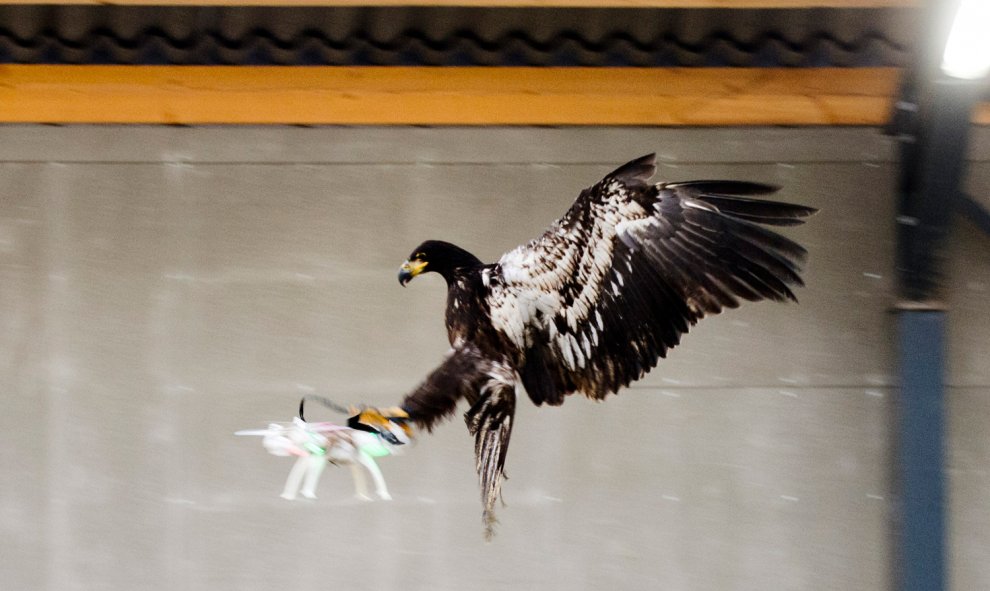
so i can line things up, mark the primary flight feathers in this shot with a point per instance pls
(592, 304)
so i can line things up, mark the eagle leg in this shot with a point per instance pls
(489, 420)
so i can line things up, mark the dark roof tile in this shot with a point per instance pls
(455, 36)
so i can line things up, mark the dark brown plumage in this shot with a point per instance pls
(594, 302)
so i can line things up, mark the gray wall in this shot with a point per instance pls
(163, 287)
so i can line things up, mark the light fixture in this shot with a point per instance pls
(967, 52)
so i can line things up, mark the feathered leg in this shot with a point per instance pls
(490, 421)
(490, 386)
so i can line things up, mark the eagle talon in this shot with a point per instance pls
(391, 424)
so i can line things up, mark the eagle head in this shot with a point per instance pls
(437, 256)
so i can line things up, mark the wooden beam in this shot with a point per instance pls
(446, 96)
(503, 3)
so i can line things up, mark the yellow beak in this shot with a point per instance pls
(410, 269)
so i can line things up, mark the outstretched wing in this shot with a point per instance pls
(489, 387)
(610, 287)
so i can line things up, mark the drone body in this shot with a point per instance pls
(314, 445)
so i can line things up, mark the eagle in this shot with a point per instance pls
(593, 303)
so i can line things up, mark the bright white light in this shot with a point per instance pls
(967, 53)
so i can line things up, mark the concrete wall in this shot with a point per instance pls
(161, 288)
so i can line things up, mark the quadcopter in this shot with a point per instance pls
(316, 444)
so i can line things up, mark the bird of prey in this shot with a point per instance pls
(591, 305)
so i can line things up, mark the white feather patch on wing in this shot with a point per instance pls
(575, 256)
(565, 349)
(695, 204)
(508, 317)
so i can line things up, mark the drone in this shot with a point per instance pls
(316, 444)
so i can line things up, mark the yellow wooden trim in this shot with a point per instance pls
(446, 96)
(503, 3)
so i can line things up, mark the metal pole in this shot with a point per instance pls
(932, 120)
(932, 170)
(921, 539)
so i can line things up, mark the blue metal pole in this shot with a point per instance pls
(921, 543)
(933, 119)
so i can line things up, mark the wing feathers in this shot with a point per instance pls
(725, 188)
(732, 198)
(681, 267)
(648, 261)
(637, 173)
